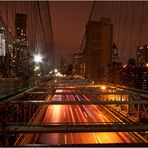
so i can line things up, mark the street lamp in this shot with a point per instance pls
(103, 87)
(37, 60)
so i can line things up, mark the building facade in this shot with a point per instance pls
(98, 49)
(115, 74)
(2, 42)
(129, 73)
(115, 57)
(2, 53)
(22, 54)
(142, 55)
(78, 64)
(141, 78)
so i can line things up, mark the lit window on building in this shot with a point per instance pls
(141, 47)
(2, 42)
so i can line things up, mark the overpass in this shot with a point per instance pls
(24, 113)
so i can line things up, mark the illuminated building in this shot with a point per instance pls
(2, 42)
(13, 64)
(135, 76)
(98, 50)
(21, 45)
(141, 78)
(142, 55)
(78, 64)
(115, 57)
(129, 73)
(141, 71)
(2, 53)
(115, 75)
(115, 69)
(63, 66)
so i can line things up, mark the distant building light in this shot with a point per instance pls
(124, 66)
(141, 47)
(37, 68)
(103, 87)
(55, 70)
(146, 64)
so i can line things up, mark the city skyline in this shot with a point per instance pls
(69, 19)
(91, 98)
(133, 20)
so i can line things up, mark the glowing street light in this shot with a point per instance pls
(36, 68)
(55, 70)
(37, 58)
(103, 87)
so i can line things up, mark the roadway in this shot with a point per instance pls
(76, 114)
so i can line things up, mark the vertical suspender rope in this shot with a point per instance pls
(90, 16)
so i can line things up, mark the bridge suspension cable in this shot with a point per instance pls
(83, 39)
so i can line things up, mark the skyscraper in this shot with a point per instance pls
(115, 57)
(2, 53)
(98, 48)
(2, 42)
(78, 64)
(142, 55)
(21, 45)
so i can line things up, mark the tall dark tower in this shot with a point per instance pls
(21, 45)
(98, 49)
(20, 26)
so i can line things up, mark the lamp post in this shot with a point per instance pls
(37, 69)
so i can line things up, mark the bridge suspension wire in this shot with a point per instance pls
(6, 27)
(128, 34)
(50, 24)
(107, 8)
(38, 31)
(31, 28)
(119, 22)
(132, 23)
(143, 18)
(141, 23)
(38, 6)
(52, 37)
(83, 39)
(126, 8)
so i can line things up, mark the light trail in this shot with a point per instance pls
(78, 113)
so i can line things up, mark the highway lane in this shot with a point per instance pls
(74, 113)
(78, 113)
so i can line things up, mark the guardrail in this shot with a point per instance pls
(73, 127)
(12, 86)
(44, 102)
(80, 93)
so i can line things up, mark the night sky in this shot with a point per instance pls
(129, 19)
(69, 18)
(68, 23)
